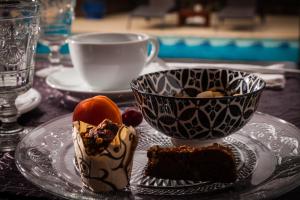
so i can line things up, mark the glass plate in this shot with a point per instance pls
(266, 152)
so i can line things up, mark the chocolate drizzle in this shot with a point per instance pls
(102, 179)
(122, 157)
(132, 138)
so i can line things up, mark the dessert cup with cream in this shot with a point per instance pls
(107, 168)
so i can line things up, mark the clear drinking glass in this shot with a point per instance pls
(56, 20)
(19, 29)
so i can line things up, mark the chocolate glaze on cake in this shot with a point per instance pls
(213, 163)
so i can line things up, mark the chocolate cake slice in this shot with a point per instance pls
(213, 163)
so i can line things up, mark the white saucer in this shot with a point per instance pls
(28, 101)
(68, 80)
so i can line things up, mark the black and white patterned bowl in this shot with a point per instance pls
(197, 118)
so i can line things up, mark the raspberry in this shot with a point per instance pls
(132, 117)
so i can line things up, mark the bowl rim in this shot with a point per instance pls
(133, 86)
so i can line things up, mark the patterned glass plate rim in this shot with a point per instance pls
(268, 144)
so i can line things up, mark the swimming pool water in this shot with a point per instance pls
(229, 49)
(223, 49)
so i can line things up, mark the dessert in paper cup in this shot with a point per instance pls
(104, 165)
(104, 146)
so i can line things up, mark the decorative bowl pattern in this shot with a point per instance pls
(197, 118)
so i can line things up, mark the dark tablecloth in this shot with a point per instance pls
(284, 104)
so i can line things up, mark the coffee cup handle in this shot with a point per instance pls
(154, 50)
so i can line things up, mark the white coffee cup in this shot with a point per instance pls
(109, 61)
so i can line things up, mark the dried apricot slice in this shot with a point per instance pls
(94, 110)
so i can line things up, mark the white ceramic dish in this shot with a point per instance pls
(68, 80)
(69, 83)
(28, 101)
